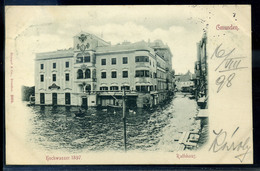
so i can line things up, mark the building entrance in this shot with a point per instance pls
(84, 102)
(54, 98)
(67, 98)
(42, 98)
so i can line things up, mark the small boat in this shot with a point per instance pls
(132, 111)
(80, 114)
(104, 110)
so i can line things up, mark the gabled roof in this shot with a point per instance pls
(186, 77)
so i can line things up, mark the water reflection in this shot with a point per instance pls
(100, 130)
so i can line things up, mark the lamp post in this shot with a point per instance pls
(124, 118)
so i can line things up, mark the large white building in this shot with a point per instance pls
(93, 73)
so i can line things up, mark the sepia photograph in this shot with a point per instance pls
(155, 84)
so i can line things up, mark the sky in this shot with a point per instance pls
(43, 29)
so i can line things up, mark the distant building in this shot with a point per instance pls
(94, 72)
(185, 82)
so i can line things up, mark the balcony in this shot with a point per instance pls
(80, 65)
(85, 80)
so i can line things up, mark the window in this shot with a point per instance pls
(54, 65)
(141, 59)
(125, 87)
(67, 76)
(114, 88)
(103, 88)
(139, 73)
(87, 73)
(125, 74)
(113, 61)
(144, 88)
(87, 59)
(151, 88)
(103, 61)
(67, 64)
(113, 74)
(103, 75)
(125, 61)
(142, 73)
(79, 60)
(42, 78)
(137, 59)
(154, 75)
(53, 77)
(42, 66)
(79, 74)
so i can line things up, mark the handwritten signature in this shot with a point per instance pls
(220, 143)
(227, 64)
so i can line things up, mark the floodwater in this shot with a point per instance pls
(57, 128)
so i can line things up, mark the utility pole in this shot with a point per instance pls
(124, 118)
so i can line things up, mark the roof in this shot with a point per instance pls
(105, 47)
(55, 54)
(186, 77)
(124, 47)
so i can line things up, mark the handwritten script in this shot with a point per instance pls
(223, 142)
(228, 66)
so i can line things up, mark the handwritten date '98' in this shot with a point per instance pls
(221, 81)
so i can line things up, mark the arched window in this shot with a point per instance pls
(87, 73)
(104, 88)
(79, 74)
(114, 88)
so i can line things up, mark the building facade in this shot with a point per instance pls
(94, 73)
(201, 72)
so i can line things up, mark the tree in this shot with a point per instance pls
(27, 92)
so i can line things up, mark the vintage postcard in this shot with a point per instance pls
(159, 84)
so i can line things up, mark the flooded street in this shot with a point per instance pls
(57, 128)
